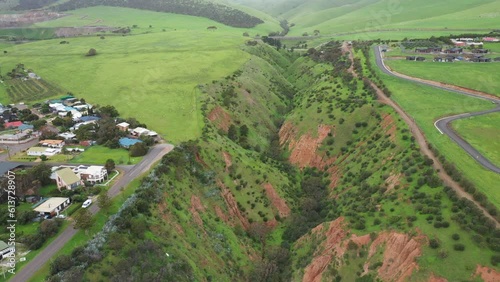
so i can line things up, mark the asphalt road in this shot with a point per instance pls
(47, 254)
(443, 124)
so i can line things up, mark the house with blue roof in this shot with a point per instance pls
(24, 127)
(127, 142)
(89, 118)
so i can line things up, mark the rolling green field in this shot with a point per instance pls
(482, 132)
(482, 77)
(150, 76)
(426, 104)
(335, 16)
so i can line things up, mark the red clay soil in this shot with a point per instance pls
(220, 118)
(276, 200)
(221, 214)
(196, 206)
(436, 279)
(329, 249)
(393, 180)
(165, 214)
(303, 151)
(389, 126)
(399, 255)
(361, 240)
(234, 212)
(227, 160)
(487, 274)
(200, 160)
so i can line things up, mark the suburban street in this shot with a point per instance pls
(443, 125)
(154, 155)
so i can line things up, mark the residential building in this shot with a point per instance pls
(52, 143)
(66, 178)
(13, 124)
(123, 126)
(5, 249)
(139, 131)
(93, 174)
(128, 142)
(38, 151)
(67, 135)
(52, 206)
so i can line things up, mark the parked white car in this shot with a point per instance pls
(87, 203)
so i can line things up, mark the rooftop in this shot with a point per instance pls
(3, 246)
(127, 142)
(123, 124)
(50, 204)
(67, 175)
(51, 142)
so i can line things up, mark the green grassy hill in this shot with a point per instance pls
(295, 160)
(340, 16)
(150, 70)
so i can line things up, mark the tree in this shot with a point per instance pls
(43, 158)
(108, 111)
(244, 130)
(108, 134)
(91, 52)
(83, 220)
(49, 228)
(104, 201)
(110, 165)
(37, 124)
(232, 133)
(138, 149)
(259, 231)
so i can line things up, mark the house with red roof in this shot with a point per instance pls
(13, 124)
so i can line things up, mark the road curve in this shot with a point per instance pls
(156, 153)
(443, 124)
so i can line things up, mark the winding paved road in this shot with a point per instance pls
(156, 153)
(443, 124)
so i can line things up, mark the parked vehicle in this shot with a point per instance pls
(87, 203)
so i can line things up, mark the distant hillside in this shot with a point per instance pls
(33, 4)
(332, 16)
(217, 12)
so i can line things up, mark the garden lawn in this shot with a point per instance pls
(427, 104)
(100, 154)
(482, 132)
(482, 77)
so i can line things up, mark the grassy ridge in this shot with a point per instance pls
(369, 14)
